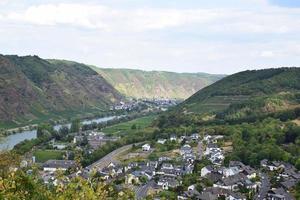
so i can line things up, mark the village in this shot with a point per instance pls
(154, 103)
(175, 167)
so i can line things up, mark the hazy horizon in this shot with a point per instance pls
(213, 37)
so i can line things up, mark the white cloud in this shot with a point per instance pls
(65, 14)
(101, 17)
(271, 20)
(216, 40)
(267, 54)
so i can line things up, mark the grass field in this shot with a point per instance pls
(44, 155)
(126, 127)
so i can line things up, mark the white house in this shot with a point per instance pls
(167, 166)
(195, 136)
(173, 138)
(206, 170)
(229, 171)
(191, 188)
(161, 141)
(146, 147)
(206, 137)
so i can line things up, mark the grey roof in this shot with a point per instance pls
(59, 164)
(264, 162)
(212, 145)
(209, 167)
(281, 193)
(220, 191)
(214, 176)
(289, 183)
(171, 181)
(248, 170)
(235, 179)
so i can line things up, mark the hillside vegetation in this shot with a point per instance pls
(156, 84)
(33, 89)
(248, 93)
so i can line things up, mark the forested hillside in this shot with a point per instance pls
(33, 89)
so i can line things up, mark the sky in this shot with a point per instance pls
(216, 36)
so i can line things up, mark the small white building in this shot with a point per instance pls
(191, 188)
(230, 171)
(146, 147)
(195, 136)
(173, 138)
(206, 170)
(161, 141)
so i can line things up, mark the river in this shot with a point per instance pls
(8, 142)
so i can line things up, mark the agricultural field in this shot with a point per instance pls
(133, 125)
(44, 155)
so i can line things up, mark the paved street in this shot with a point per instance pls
(141, 192)
(200, 149)
(265, 187)
(111, 157)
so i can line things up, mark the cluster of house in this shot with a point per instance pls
(51, 166)
(94, 139)
(227, 182)
(163, 172)
(210, 193)
(166, 173)
(156, 102)
(213, 152)
(192, 138)
(162, 101)
(125, 105)
(286, 175)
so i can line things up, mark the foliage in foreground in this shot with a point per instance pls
(15, 184)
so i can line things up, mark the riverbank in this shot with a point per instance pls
(29, 127)
(9, 141)
(55, 118)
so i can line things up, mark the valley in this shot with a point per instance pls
(156, 84)
(237, 138)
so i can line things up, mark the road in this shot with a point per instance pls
(200, 149)
(111, 157)
(141, 192)
(265, 187)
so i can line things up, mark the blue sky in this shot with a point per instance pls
(214, 36)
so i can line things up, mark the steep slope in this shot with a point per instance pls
(149, 84)
(244, 93)
(32, 88)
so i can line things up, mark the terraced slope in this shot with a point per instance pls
(156, 84)
(246, 92)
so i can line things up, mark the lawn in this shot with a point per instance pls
(44, 155)
(126, 127)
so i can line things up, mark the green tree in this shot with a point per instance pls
(133, 127)
(75, 126)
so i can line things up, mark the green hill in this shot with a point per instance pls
(248, 93)
(149, 84)
(33, 89)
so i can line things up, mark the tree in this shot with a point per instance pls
(75, 126)
(64, 130)
(8, 159)
(44, 129)
(133, 127)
